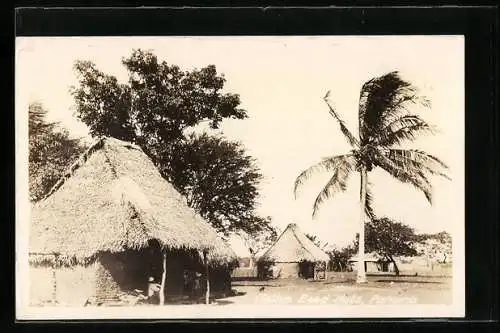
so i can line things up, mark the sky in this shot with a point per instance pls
(281, 82)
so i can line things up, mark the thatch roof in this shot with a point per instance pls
(114, 198)
(293, 246)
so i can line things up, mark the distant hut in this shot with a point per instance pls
(293, 255)
(373, 263)
(111, 225)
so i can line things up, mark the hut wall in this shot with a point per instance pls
(40, 285)
(244, 272)
(113, 274)
(108, 275)
(285, 270)
(370, 267)
(73, 285)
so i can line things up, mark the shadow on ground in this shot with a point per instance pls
(408, 281)
(223, 302)
(255, 285)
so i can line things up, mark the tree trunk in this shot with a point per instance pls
(207, 278)
(163, 279)
(361, 274)
(396, 269)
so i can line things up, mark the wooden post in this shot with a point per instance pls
(207, 278)
(54, 279)
(54, 285)
(163, 278)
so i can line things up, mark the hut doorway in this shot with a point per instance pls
(384, 266)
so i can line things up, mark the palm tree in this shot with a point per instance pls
(385, 121)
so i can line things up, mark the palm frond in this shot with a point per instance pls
(337, 183)
(403, 128)
(405, 174)
(417, 159)
(327, 164)
(382, 98)
(349, 136)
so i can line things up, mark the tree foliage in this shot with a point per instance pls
(436, 247)
(156, 109)
(157, 104)
(51, 151)
(442, 237)
(391, 239)
(339, 258)
(261, 240)
(219, 180)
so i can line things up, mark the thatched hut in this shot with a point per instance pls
(293, 255)
(111, 224)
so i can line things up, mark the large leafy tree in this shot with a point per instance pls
(157, 108)
(51, 151)
(389, 239)
(385, 122)
(159, 102)
(219, 180)
(339, 258)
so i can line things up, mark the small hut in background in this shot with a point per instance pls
(293, 255)
(112, 225)
(374, 263)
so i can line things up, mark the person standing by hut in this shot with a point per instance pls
(197, 289)
(153, 291)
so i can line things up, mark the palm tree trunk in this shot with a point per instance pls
(361, 274)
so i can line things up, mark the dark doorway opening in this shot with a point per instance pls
(306, 270)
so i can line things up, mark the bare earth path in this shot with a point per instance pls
(342, 290)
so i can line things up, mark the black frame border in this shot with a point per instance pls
(479, 25)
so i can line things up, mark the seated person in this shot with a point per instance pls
(153, 291)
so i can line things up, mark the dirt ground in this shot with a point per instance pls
(341, 289)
